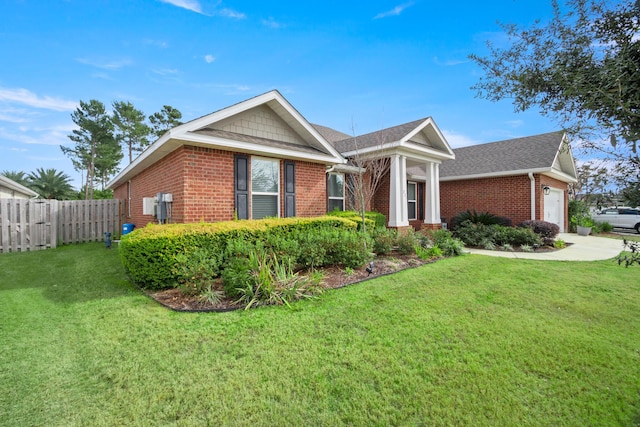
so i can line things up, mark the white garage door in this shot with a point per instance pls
(554, 208)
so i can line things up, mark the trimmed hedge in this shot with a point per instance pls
(372, 219)
(149, 254)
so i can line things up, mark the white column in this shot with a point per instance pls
(432, 196)
(398, 192)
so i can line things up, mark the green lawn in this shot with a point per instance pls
(465, 341)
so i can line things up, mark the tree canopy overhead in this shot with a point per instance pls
(582, 69)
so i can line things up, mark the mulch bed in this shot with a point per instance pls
(334, 278)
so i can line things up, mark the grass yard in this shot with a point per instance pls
(465, 341)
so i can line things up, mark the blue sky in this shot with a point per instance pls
(366, 65)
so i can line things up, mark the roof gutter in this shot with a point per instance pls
(533, 196)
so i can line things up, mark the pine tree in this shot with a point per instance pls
(165, 119)
(130, 129)
(94, 144)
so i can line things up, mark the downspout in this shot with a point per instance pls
(533, 196)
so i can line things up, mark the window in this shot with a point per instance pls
(335, 191)
(265, 185)
(412, 202)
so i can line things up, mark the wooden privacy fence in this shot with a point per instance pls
(34, 224)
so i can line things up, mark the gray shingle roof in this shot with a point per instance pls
(331, 135)
(257, 140)
(345, 143)
(531, 152)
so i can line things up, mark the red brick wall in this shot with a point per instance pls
(505, 196)
(202, 183)
(311, 189)
(381, 198)
(164, 176)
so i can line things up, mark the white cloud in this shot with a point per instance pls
(448, 62)
(230, 13)
(26, 97)
(106, 64)
(393, 12)
(191, 5)
(157, 43)
(209, 59)
(514, 123)
(54, 135)
(272, 23)
(165, 71)
(457, 140)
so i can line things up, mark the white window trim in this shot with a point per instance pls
(414, 201)
(263, 193)
(343, 188)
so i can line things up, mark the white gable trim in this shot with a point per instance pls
(184, 135)
(430, 122)
(544, 171)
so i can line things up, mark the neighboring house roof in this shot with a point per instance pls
(265, 125)
(548, 153)
(11, 185)
(421, 137)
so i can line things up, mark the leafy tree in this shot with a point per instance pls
(631, 194)
(130, 129)
(593, 183)
(17, 176)
(51, 184)
(95, 146)
(165, 119)
(581, 68)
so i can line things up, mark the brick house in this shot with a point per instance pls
(521, 179)
(254, 159)
(261, 158)
(409, 194)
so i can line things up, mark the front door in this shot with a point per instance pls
(554, 208)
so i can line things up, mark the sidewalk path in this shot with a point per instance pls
(584, 248)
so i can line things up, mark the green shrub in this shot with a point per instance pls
(195, 272)
(443, 239)
(263, 279)
(373, 220)
(383, 240)
(149, 253)
(428, 253)
(407, 241)
(479, 234)
(451, 247)
(546, 230)
(474, 217)
(602, 227)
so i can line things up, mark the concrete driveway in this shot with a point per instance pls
(584, 248)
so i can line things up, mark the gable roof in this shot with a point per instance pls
(14, 186)
(420, 136)
(265, 125)
(548, 153)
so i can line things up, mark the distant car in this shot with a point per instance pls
(620, 217)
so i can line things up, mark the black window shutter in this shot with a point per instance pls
(289, 189)
(241, 174)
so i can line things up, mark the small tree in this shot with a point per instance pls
(369, 173)
(581, 68)
(51, 184)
